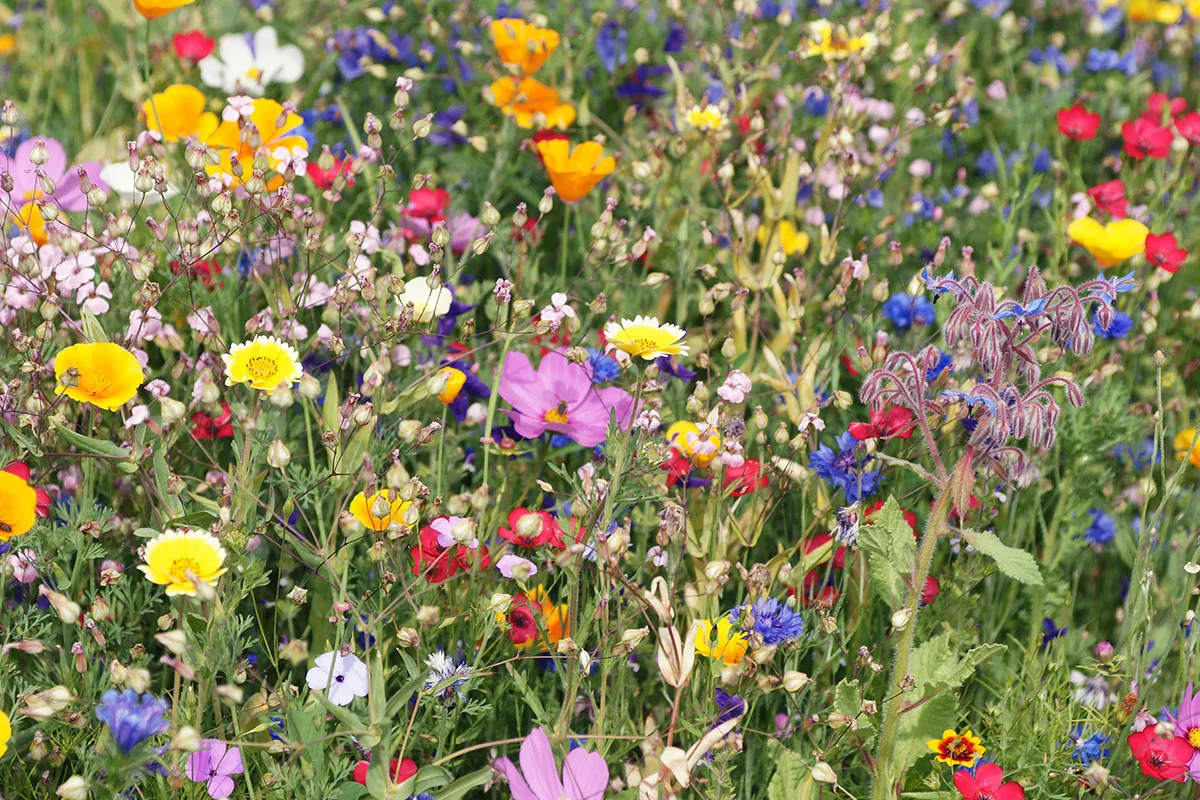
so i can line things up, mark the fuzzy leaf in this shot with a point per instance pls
(1013, 562)
(791, 780)
(847, 699)
(891, 551)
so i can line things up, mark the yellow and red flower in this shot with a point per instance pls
(20, 503)
(956, 750)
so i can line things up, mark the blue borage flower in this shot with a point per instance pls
(1088, 746)
(842, 469)
(1120, 326)
(131, 717)
(905, 310)
(970, 399)
(1011, 309)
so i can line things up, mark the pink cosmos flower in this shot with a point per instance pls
(559, 397)
(213, 764)
(1187, 727)
(67, 190)
(584, 774)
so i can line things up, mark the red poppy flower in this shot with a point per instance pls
(1078, 123)
(548, 530)
(748, 478)
(894, 423)
(987, 784)
(436, 563)
(402, 770)
(815, 593)
(1162, 758)
(931, 591)
(1188, 126)
(678, 467)
(1162, 250)
(522, 622)
(204, 270)
(323, 178)
(1155, 103)
(428, 204)
(193, 45)
(1109, 197)
(529, 232)
(1144, 138)
(21, 470)
(205, 426)
(909, 516)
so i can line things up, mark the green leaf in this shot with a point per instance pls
(935, 665)
(17, 435)
(87, 444)
(465, 784)
(891, 551)
(353, 791)
(918, 726)
(847, 699)
(791, 780)
(92, 328)
(1013, 562)
(531, 697)
(197, 519)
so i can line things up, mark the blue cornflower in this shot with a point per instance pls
(986, 163)
(443, 133)
(1052, 56)
(1103, 528)
(1137, 456)
(640, 89)
(1041, 162)
(1119, 328)
(604, 368)
(842, 469)
(905, 310)
(132, 718)
(816, 102)
(1088, 747)
(676, 38)
(1101, 60)
(611, 46)
(775, 622)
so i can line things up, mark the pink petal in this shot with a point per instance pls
(585, 775)
(516, 781)
(537, 763)
(988, 777)
(965, 783)
(522, 387)
(220, 786)
(568, 381)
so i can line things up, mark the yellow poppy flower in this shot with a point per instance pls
(18, 507)
(646, 337)
(103, 374)
(265, 363)
(721, 641)
(523, 45)
(530, 101)
(1193, 8)
(957, 750)
(1183, 447)
(153, 9)
(1154, 11)
(1112, 243)
(574, 173)
(366, 509)
(835, 43)
(30, 219)
(700, 446)
(8, 43)
(788, 236)
(227, 140)
(178, 559)
(5, 733)
(455, 380)
(177, 112)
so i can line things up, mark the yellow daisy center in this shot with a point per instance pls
(261, 367)
(1193, 737)
(557, 415)
(180, 567)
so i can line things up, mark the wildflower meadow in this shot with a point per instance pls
(736, 399)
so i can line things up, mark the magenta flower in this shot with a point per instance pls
(67, 191)
(584, 774)
(560, 397)
(1187, 727)
(213, 764)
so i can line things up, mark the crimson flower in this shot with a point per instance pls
(1109, 197)
(205, 270)
(1163, 250)
(402, 770)
(987, 784)
(895, 423)
(815, 591)
(323, 178)
(1162, 758)
(522, 622)
(193, 45)
(1144, 138)
(21, 470)
(1188, 126)
(436, 563)
(428, 204)
(678, 467)
(747, 477)
(547, 531)
(1078, 123)
(1156, 101)
(930, 591)
(205, 426)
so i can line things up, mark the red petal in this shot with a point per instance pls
(966, 784)
(988, 776)
(862, 430)
(20, 469)
(1011, 791)
(360, 772)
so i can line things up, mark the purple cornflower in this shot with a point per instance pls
(584, 774)
(842, 469)
(774, 621)
(559, 397)
(132, 718)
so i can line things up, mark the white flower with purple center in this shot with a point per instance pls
(342, 677)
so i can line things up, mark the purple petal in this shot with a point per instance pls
(231, 763)
(585, 775)
(220, 786)
(537, 763)
(516, 782)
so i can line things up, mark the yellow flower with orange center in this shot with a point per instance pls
(1112, 243)
(961, 751)
(274, 132)
(698, 445)
(523, 45)
(101, 373)
(380, 510)
(264, 363)
(18, 507)
(153, 9)
(530, 102)
(574, 173)
(180, 559)
(721, 641)
(178, 112)
(1184, 449)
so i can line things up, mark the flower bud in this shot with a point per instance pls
(794, 681)
(278, 455)
(74, 788)
(186, 739)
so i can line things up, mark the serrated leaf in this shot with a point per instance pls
(891, 551)
(792, 780)
(847, 699)
(919, 725)
(1012, 561)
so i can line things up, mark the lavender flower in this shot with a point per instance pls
(131, 717)
(842, 469)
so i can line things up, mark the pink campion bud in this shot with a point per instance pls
(134, 161)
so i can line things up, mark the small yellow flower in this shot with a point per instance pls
(5, 733)
(178, 559)
(834, 43)
(1184, 449)
(721, 641)
(1154, 11)
(455, 380)
(1112, 243)
(104, 374)
(788, 237)
(367, 509)
(529, 102)
(30, 219)
(957, 750)
(646, 337)
(153, 9)
(8, 43)
(709, 118)
(265, 362)
(523, 45)
(574, 173)
(18, 506)
(700, 446)
(177, 112)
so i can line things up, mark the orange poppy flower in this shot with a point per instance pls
(530, 101)
(523, 45)
(275, 138)
(574, 173)
(153, 9)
